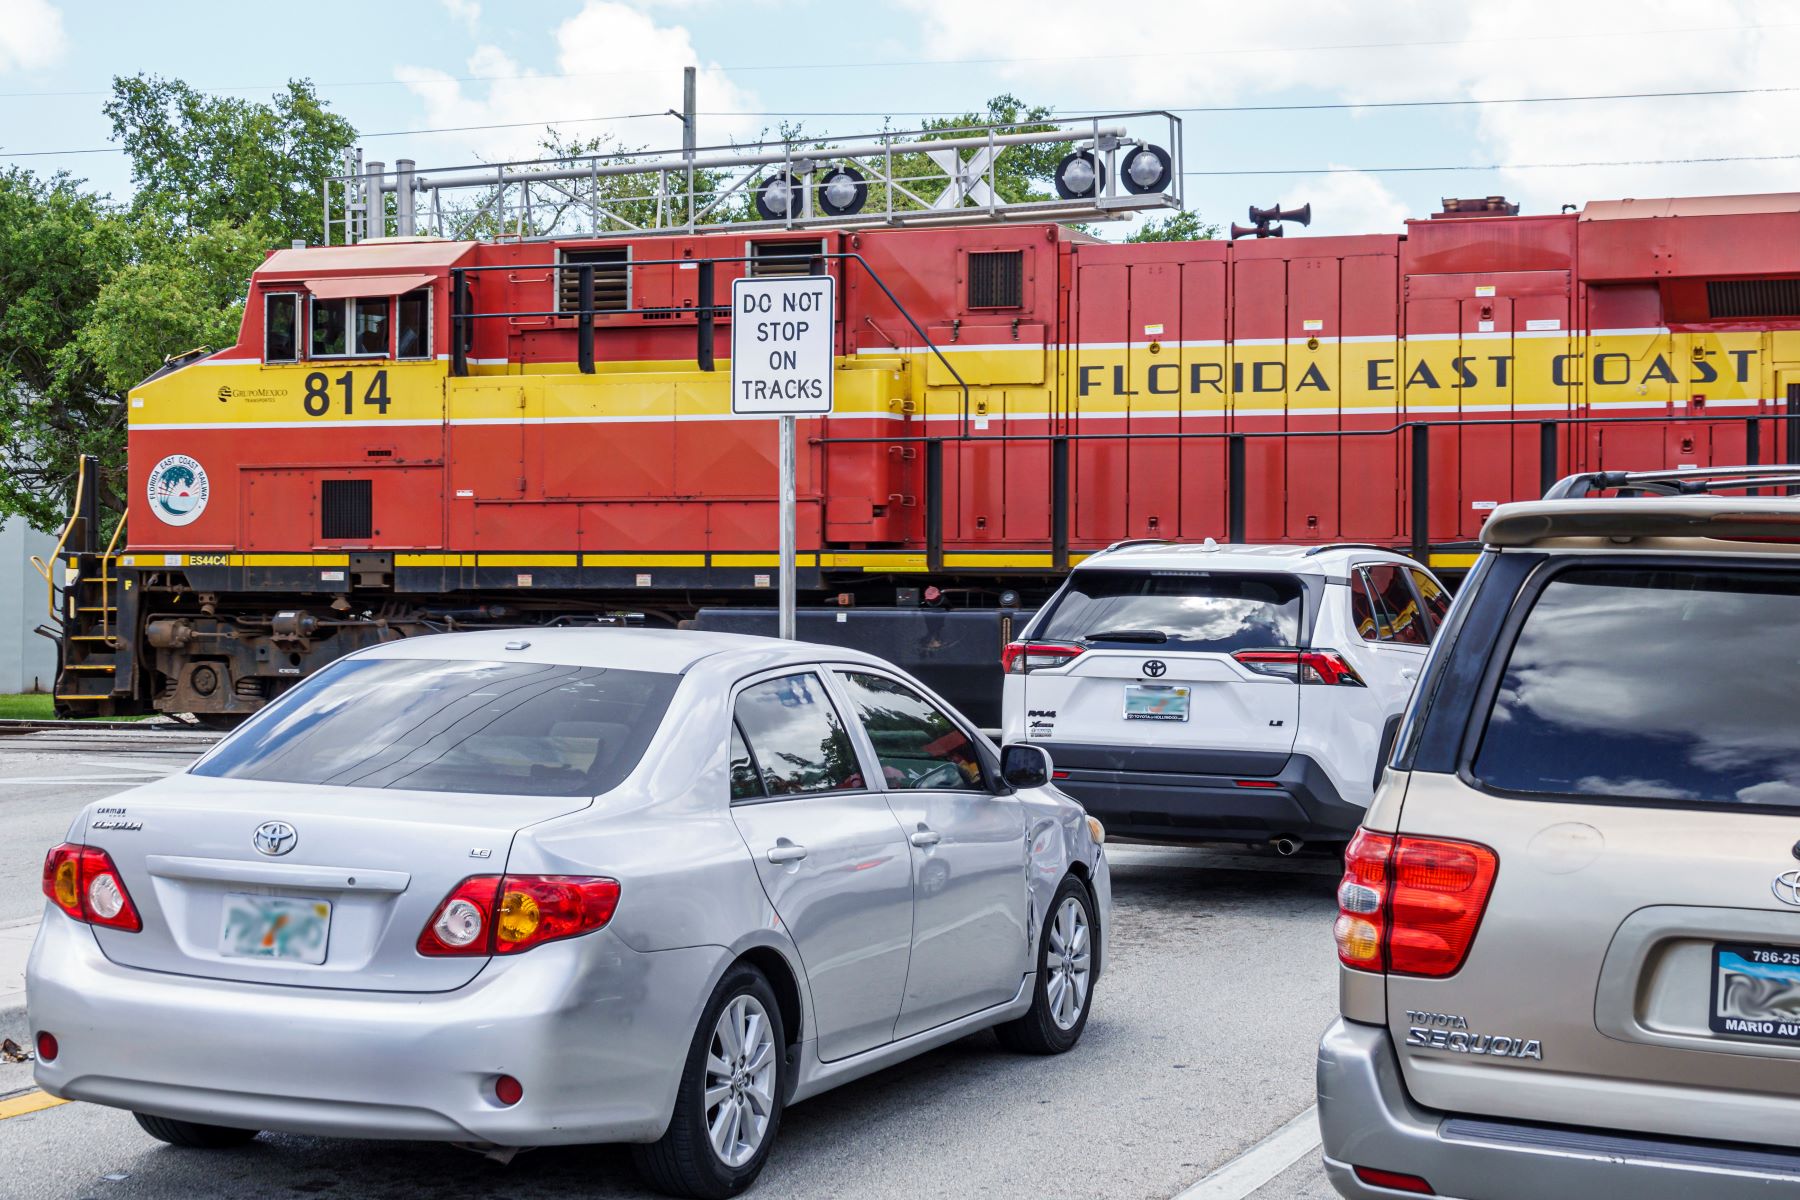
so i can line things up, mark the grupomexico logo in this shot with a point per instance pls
(178, 490)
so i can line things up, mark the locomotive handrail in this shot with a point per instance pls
(705, 314)
(106, 560)
(47, 569)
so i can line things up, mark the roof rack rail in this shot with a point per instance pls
(1312, 550)
(1124, 542)
(1698, 481)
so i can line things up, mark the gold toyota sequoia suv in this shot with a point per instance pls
(1570, 924)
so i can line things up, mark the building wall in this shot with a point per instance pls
(27, 661)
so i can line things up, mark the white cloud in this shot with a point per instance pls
(467, 12)
(610, 59)
(1345, 202)
(31, 34)
(1207, 53)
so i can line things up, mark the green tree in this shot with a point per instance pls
(198, 161)
(1183, 226)
(94, 296)
(59, 247)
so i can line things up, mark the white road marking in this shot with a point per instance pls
(1262, 1162)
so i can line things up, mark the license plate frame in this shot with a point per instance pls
(1755, 991)
(292, 930)
(1158, 701)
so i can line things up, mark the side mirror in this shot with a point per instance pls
(1025, 766)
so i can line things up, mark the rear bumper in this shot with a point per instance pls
(1367, 1119)
(1161, 795)
(596, 1032)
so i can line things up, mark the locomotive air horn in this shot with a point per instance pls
(1261, 231)
(1264, 216)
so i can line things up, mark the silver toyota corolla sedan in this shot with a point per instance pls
(558, 886)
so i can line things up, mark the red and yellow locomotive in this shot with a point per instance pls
(418, 433)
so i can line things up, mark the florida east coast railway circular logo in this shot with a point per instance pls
(178, 489)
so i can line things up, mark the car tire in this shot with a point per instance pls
(1053, 1023)
(191, 1135)
(688, 1160)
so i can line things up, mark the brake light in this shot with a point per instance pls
(1021, 658)
(1303, 666)
(491, 914)
(82, 881)
(1411, 905)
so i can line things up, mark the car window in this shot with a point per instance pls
(1190, 610)
(1673, 685)
(532, 729)
(746, 784)
(1437, 599)
(1398, 619)
(917, 745)
(796, 737)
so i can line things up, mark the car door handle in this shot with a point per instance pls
(785, 851)
(1409, 674)
(926, 837)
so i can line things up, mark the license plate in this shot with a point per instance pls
(1156, 702)
(282, 928)
(1756, 991)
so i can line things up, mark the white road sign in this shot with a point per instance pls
(781, 338)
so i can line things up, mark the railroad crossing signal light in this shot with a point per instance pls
(1147, 169)
(778, 198)
(1080, 176)
(843, 191)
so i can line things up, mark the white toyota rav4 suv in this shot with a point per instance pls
(1208, 692)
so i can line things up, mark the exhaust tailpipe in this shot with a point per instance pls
(1287, 846)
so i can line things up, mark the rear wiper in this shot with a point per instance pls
(1128, 635)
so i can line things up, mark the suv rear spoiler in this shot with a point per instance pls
(1696, 482)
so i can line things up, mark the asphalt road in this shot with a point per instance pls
(1220, 980)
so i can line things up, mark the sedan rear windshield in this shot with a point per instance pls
(523, 729)
(1677, 685)
(1195, 610)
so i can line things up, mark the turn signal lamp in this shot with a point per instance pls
(84, 883)
(1411, 905)
(490, 914)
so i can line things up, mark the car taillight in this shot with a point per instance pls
(491, 914)
(1411, 905)
(82, 881)
(1303, 666)
(1021, 658)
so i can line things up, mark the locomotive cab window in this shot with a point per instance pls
(412, 325)
(281, 327)
(355, 328)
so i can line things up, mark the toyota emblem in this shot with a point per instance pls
(1787, 888)
(1156, 668)
(274, 838)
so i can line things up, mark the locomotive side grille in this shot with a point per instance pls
(1753, 298)
(996, 279)
(784, 258)
(612, 280)
(346, 509)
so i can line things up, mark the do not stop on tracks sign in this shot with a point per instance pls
(781, 343)
(782, 337)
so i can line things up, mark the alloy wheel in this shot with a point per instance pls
(740, 1080)
(1070, 961)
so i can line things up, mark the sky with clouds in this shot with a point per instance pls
(409, 65)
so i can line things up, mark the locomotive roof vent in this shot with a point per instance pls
(1480, 206)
